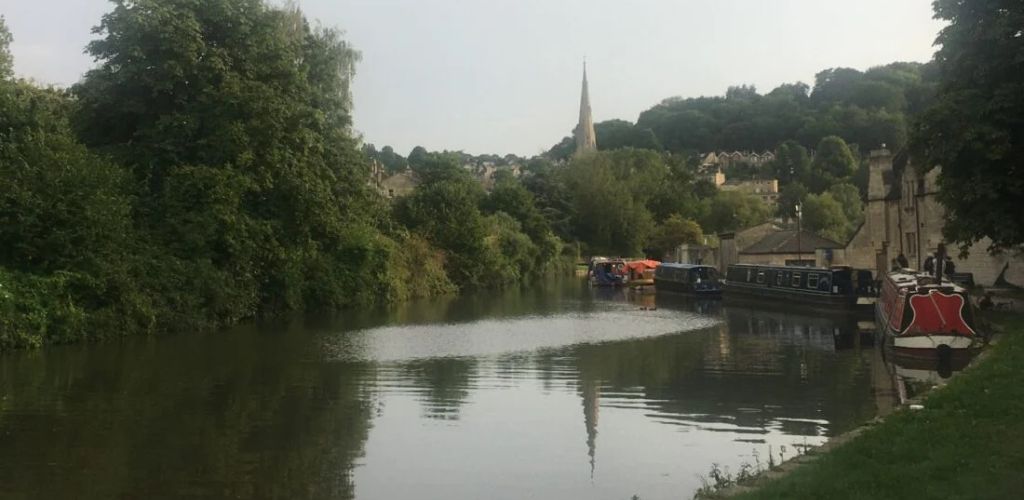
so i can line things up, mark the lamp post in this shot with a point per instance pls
(799, 215)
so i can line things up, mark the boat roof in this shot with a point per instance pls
(792, 268)
(911, 279)
(678, 265)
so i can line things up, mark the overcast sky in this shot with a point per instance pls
(503, 76)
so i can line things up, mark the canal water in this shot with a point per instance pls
(557, 392)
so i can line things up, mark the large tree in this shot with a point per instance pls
(233, 116)
(975, 128)
(6, 61)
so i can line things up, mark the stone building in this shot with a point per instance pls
(790, 248)
(730, 244)
(765, 189)
(903, 216)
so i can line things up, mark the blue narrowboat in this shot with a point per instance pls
(692, 279)
(836, 286)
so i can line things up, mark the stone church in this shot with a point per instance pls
(903, 216)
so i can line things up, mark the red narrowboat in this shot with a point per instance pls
(920, 311)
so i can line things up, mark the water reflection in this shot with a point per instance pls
(559, 392)
(912, 375)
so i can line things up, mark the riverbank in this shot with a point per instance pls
(966, 442)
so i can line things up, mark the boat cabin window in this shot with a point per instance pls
(812, 281)
(760, 277)
(796, 279)
(748, 274)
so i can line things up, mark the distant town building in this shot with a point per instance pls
(766, 189)
(586, 138)
(399, 185)
(722, 159)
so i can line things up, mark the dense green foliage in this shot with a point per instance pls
(635, 202)
(975, 130)
(866, 109)
(489, 240)
(201, 174)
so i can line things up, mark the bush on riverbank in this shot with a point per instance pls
(967, 442)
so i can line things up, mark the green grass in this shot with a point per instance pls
(967, 442)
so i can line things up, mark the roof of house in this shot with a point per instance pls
(786, 242)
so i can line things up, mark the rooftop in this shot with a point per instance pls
(786, 242)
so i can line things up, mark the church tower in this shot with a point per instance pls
(586, 139)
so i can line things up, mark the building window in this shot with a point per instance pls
(812, 281)
(796, 279)
(912, 243)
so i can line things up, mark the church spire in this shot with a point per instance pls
(586, 139)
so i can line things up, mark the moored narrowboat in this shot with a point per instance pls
(640, 273)
(920, 312)
(687, 278)
(607, 272)
(837, 286)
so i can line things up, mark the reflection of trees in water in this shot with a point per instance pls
(754, 370)
(511, 302)
(198, 416)
(447, 382)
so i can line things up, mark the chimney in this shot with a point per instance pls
(879, 173)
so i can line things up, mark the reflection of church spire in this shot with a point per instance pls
(591, 401)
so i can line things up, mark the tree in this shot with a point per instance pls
(445, 210)
(974, 130)
(418, 156)
(393, 162)
(233, 116)
(66, 267)
(732, 210)
(674, 232)
(848, 197)
(510, 197)
(609, 214)
(789, 197)
(6, 61)
(617, 134)
(833, 162)
(824, 215)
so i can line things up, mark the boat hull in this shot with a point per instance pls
(806, 298)
(686, 288)
(920, 343)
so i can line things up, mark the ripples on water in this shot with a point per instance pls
(563, 392)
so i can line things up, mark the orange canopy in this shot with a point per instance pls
(640, 265)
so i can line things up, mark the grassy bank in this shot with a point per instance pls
(967, 442)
